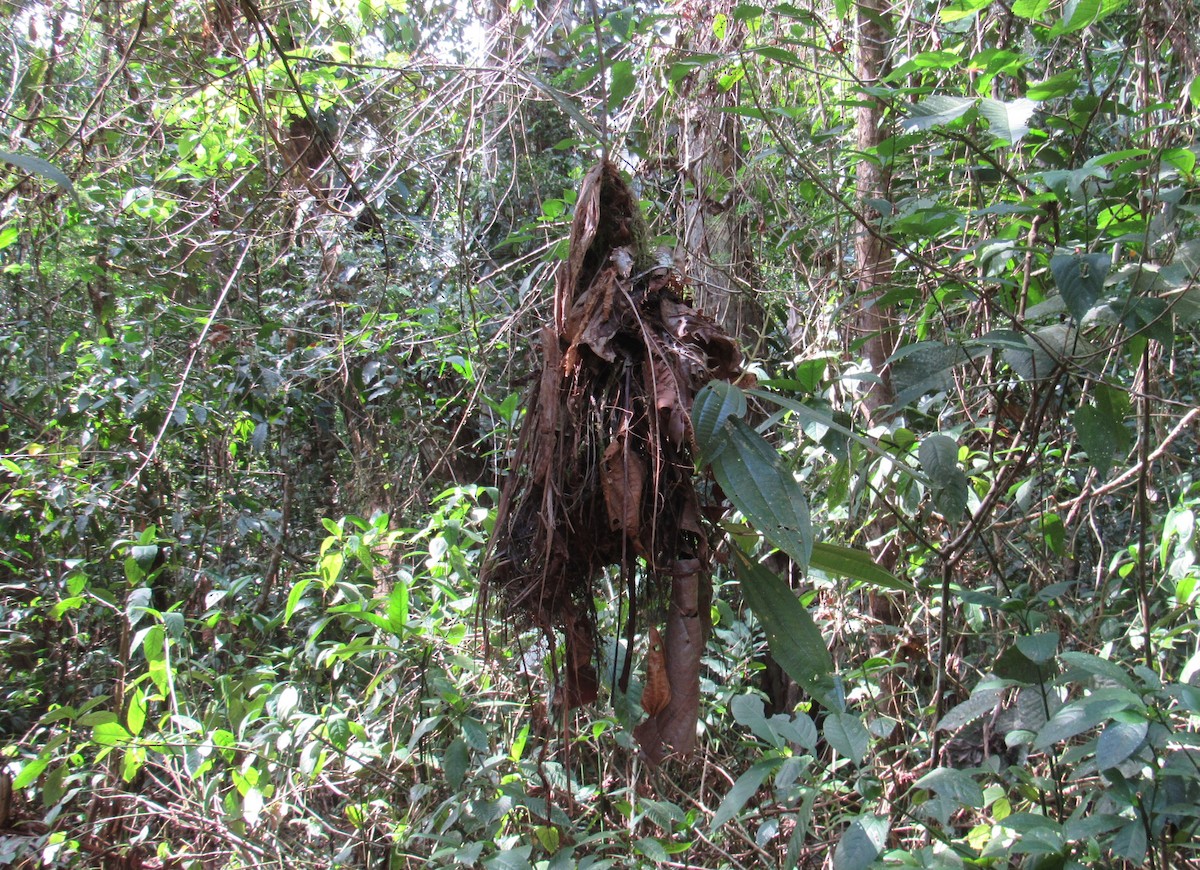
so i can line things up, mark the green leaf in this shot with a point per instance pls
(716, 402)
(962, 9)
(957, 785)
(1080, 280)
(1056, 86)
(1193, 92)
(775, 53)
(1097, 437)
(1008, 120)
(981, 702)
(38, 166)
(753, 477)
(1031, 9)
(1130, 842)
(397, 607)
(293, 599)
(748, 710)
(1014, 665)
(742, 790)
(1099, 667)
(455, 762)
(31, 771)
(794, 639)
(1039, 648)
(621, 83)
(855, 564)
(1077, 717)
(947, 482)
(935, 110)
(1119, 740)
(846, 733)
(110, 734)
(136, 716)
(861, 844)
(1077, 14)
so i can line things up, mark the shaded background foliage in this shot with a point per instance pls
(263, 365)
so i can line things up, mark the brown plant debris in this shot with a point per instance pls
(603, 473)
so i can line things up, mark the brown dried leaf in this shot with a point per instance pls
(656, 691)
(623, 480)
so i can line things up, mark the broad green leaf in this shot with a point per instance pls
(455, 762)
(1097, 437)
(1039, 648)
(846, 733)
(293, 599)
(44, 168)
(861, 844)
(1056, 86)
(1031, 9)
(136, 715)
(748, 710)
(855, 564)
(1008, 120)
(753, 477)
(1077, 14)
(1193, 92)
(515, 858)
(924, 367)
(947, 482)
(1097, 666)
(110, 734)
(288, 700)
(1012, 664)
(935, 110)
(794, 639)
(742, 790)
(716, 402)
(31, 771)
(621, 83)
(1130, 842)
(252, 806)
(1119, 740)
(775, 53)
(1080, 280)
(957, 9)
(981, 703)
(397, 607)
(957, 785)
(1079, 716)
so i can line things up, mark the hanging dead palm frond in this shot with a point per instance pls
(603, 474)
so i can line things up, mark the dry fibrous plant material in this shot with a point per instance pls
(603, 475)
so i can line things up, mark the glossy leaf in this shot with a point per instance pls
(856, 565)
(742, 790)
(947, 482)
(795, 641)
(38, 166)
(753, 477)
(1080, 280)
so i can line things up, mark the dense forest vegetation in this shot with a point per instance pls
(534, 435)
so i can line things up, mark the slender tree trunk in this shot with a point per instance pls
(714, 240)
(873, 259)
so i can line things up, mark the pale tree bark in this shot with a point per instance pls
(713, 247)
(873, 258)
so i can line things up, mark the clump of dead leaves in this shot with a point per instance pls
(603, 476)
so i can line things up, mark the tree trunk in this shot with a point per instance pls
(713, 247)
(873, 258)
